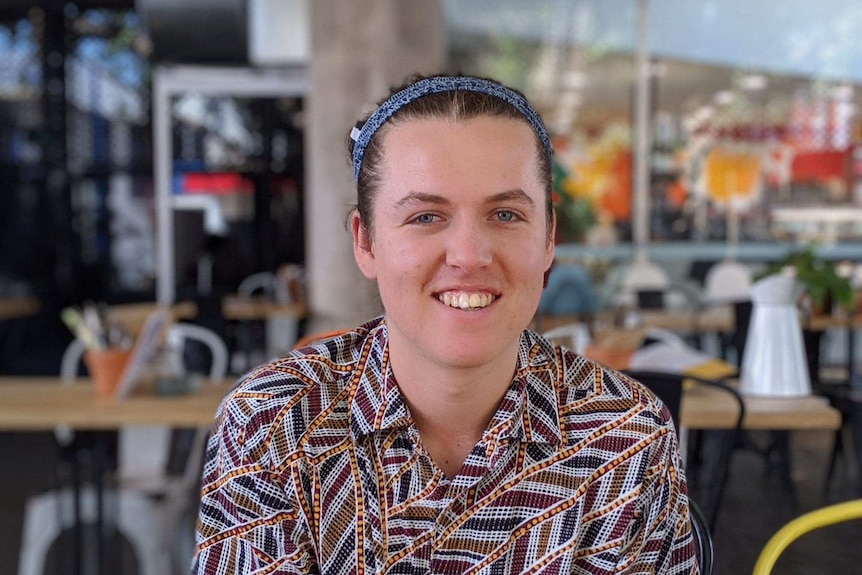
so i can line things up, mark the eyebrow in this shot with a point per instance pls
(414, 198)
(517, 195)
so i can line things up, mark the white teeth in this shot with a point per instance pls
(463, 300)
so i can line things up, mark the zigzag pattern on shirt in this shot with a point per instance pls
(316, 467)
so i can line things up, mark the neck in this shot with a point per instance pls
(453, 401)
(452, 410)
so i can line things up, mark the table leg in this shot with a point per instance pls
(77, 529)
(781, 445)
(99, 456)
(855, 382)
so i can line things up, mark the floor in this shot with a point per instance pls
(756, 506)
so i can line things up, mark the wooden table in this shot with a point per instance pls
(14, 307)
(257, 308)
(711, 320)
(824, 322)
(704, 407)
(43, 403)
(131, 316)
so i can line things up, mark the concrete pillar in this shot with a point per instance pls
(359, 49)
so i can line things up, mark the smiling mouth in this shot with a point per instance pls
(466, 300)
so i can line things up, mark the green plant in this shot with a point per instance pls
(575, 215)
(822, 283)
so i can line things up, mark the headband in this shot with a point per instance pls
(362, 133)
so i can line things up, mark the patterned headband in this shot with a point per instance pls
(361, 136)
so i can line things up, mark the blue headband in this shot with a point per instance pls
(362, 136)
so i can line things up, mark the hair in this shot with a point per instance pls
(455, 105)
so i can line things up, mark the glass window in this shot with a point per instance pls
(754, 116)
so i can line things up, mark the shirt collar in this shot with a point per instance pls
(529, 412)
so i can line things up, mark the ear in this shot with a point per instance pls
(552, 246)
(363, 251)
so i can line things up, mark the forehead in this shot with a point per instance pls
(485, 152)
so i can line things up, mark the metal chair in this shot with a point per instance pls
(791, 531)
(702, 538)
(727, 282)
(569, 293)
(280, 331)
(669, 388)
(575, 336)
(151, 503)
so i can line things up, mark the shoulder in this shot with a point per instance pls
(575, 374)
(589, 392)
(292, 391)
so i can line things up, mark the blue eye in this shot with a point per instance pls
(505, 216)
(425, 219)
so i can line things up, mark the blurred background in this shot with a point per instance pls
(169, 150)
(751, 111)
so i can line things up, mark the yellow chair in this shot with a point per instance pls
(829, 515)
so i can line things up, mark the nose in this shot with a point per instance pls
(470, 247)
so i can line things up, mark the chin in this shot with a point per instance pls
(464, 355)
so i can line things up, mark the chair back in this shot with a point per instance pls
(829, 515)
(727, 282)
(143, 451)
(179, 333)
(702, 538)
(261, 281)
(669, 388)
(626, 280)
(569, 292)
(575, 336)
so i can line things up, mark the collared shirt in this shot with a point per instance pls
(315, 466)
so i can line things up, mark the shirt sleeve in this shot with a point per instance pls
(660, 539)
(250, 519)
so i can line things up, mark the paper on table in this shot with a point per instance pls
(146, 345)
(679, 358)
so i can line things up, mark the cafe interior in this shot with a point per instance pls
(173, 191)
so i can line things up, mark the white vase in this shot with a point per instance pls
(774, 362)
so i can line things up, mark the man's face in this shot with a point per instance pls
(460, 241)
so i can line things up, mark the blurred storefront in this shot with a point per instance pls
(754, 135)
(754, 120)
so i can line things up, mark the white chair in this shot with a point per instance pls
(627, 284)
(150, 503)
(261, 281)
(575, 336)
(727, 282)
(281, 330)
(625, 280)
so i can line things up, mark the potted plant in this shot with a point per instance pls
(823, 288)
(821, 282)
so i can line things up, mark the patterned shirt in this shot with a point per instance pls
(315, 466)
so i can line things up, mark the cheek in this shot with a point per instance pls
(400, 260)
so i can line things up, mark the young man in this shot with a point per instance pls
(444, 437)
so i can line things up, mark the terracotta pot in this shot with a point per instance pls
(609, 357)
